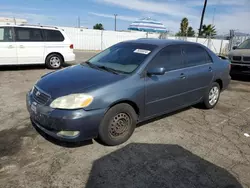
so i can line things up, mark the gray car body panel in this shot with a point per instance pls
(154, 95)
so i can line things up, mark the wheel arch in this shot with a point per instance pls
(220, 82)
(57, 53)
(127, 101)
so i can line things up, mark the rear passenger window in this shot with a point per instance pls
(196, 55)
(170, 58)
(6, 34)
(53, 35)
(28, 34)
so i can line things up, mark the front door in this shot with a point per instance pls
(30, 45)
(8, 51)
(165, 93)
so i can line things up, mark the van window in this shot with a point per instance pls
(170, 58)
(28, 34)
(6, 34)
(195, 55)
(53, 35)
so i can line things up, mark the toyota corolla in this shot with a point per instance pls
(129, 82)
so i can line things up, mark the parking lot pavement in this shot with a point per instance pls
(189, 148)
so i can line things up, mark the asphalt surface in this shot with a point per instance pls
(189, 148)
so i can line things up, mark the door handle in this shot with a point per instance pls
(21, 46)
(210, 69)
(10, 46)
(182, 76)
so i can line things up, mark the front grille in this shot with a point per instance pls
(237, 58)
(40, 96)
(246, 58)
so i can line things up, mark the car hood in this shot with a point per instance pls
(240, 52)
(75, 79)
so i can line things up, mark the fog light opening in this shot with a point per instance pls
(68, 133)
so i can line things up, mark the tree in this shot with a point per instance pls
(184, 26)
(98, 26)
(208, 31)
(190, 32)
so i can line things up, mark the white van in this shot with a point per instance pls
(26, 44)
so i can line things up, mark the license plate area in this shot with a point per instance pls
(33, 107)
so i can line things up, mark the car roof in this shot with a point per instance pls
(31, 26)
(159, 42)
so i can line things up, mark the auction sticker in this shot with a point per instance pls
(141, 51)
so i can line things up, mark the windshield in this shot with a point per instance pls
(123, 57)
(245, 45)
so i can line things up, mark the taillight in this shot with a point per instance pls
(71, 46)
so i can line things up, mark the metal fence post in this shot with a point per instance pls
(101, 39)
(221, 44)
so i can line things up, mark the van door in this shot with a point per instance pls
(30, 45)
(8, 51)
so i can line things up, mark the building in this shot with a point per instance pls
(148, 25)
(8, 21)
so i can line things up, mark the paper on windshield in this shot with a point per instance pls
(141, 51)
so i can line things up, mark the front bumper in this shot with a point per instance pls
(239, 69)
(51, 121)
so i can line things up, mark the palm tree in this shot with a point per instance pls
(184, 27)
(208, 31)
(190, 32)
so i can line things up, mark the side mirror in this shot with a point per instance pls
(234, 47)
(156, 71)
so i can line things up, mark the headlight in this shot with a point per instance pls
(72, 101)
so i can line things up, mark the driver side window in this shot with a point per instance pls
(170, 58)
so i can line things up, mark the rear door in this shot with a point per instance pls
(30, 45)
(8, 51)
(165, 93)
(199, 70)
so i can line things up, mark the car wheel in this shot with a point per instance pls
(118, 124)
(54, 61)
(212, 96)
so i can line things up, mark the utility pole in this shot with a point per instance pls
(202, 16)
(14, 20)
(79, 22)
(115, 20)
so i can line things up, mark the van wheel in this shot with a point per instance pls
(54, 61)
(212, 96)
(118, 124)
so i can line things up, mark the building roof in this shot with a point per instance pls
(12, 20)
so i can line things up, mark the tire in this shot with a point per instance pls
(118, 124)
(208, 102)
(54, 61)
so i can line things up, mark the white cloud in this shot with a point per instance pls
(8, 7)
(235, 14)
(236, 20)
(119, 17)
(30, 17)
(169, 8)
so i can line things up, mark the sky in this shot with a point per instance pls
(224, 14)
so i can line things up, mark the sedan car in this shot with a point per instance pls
(240, 59)
(129, 82)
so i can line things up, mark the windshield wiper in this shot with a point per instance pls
(91, 65)
(107, 69)
(101, 67)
